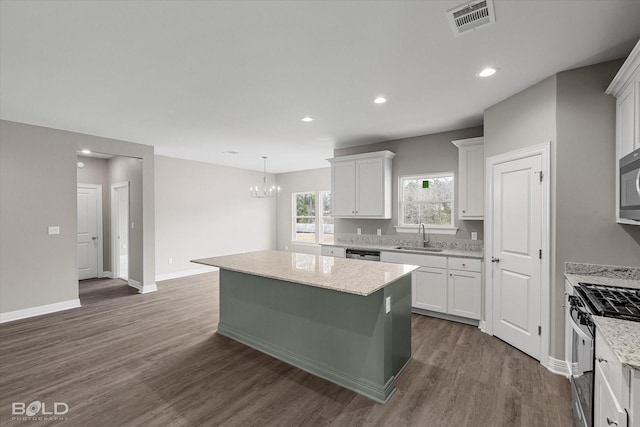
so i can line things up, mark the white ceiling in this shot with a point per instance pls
(197, 78)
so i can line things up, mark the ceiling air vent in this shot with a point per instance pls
(471, 16)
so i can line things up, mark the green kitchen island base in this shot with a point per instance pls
(348, 339)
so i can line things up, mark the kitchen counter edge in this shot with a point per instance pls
(457, 253)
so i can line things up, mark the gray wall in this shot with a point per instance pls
(96, 171)
(296, 182)
(129, 169)
(38, 188)
(571, 110)
(205, 210)
(422, 154)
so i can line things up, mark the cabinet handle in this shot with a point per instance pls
(464, 265)
(600, 359)
(464, 211)
(611, 422)
(495, 259)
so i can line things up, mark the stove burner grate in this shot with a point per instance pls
(608, 301)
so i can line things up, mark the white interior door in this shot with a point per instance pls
(89, 226)
(517, 229)
(120, 229)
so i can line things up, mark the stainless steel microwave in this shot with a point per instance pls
(630, 186)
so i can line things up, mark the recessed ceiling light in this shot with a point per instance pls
(85, 151)
(380, 100)
(487, 72)
(307, 119)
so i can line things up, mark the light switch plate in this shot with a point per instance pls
(388, 305)
(379, 232)
(54, 230)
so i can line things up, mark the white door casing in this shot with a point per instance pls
(89, 231)
(517, 250)
(120, 230)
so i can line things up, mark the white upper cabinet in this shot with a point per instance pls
(626, 88)
(361, 185)
(470, 178)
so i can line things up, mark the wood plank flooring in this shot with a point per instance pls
(125, 359)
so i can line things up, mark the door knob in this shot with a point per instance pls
(495, 259)
(94, 238)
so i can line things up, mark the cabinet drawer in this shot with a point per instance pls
(414, 259)
(333, 251)
(465, 264)
(611, 367)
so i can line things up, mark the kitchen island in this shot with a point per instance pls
(347, 321)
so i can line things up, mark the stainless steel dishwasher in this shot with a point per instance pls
(365, 254)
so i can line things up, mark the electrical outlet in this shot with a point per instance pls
(388, 305)
(359, 230)
(474, 235)
(132, 225)
(54, 230)
(170, 260)
(379, 231)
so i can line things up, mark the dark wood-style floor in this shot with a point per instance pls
(125, 359)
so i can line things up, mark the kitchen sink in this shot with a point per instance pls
(409, 248)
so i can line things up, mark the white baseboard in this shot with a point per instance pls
(149, 288)
(185, 273)
(38, 311)
(558, 366)
(483, 326)
(143, 289)
(107, 274)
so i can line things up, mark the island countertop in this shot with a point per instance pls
(339, 274)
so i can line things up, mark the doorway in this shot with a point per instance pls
(89, 239)
(120, 229)
(517, 273)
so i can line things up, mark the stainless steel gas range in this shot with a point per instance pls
(593, 300)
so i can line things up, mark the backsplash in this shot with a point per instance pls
(375, 240)
(612, 271)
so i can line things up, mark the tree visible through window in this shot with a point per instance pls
(308, 226)
(426, 199)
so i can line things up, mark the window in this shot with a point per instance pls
(308, 225)
(426, 199)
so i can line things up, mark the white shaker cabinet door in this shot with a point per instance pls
(430, 289)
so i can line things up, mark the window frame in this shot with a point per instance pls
(429, 228)
(319, 218)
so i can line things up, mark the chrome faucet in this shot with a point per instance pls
(425, 242)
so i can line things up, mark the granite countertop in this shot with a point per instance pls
(623, 336)
(447, 252)
(339, 274)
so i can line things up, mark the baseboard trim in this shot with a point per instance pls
(143, 289)
(558, 367)
(380, 393)
(107, 274)
(39, 310)
(445, 316)
(185, 273)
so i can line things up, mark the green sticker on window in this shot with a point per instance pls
(425, 184)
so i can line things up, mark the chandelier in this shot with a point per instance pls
(266, 191)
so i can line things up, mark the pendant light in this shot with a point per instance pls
(266, 191)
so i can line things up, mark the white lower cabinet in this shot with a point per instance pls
(443, 284)
(607, 411)
(430, 289)
(614, 389)
(464, 290)
(334, 251)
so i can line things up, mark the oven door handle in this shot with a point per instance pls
(579, 331)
